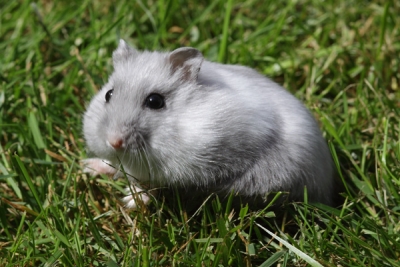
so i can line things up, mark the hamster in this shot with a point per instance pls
(175, 119)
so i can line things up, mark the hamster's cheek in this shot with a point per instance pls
(94, 129)
(196, 129)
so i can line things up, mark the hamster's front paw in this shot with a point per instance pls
(135, 197)
(96, 166)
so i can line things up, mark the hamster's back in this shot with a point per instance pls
(296, 155)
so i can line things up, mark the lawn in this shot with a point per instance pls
(341, 58)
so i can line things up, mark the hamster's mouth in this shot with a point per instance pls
(139, 164)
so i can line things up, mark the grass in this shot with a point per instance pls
(341, 58)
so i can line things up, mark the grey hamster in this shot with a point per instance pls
(176, 119)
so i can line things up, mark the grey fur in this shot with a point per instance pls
(223, 128)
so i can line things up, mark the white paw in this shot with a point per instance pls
(135, 197)
(96, 166)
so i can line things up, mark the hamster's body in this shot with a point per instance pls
(220, 128)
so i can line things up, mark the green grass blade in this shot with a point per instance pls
(295, 250)
(274, 258)
(225, 33)
(29, 181)
(34, 127)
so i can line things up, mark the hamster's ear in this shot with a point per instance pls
(123, 52)
(188, 60)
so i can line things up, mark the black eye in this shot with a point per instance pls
(109, 95)
(154, 101)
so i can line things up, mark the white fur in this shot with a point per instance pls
(223, 128)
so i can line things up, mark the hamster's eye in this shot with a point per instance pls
(109, 95)
(154, 101)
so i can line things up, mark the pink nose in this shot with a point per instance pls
(117, 143)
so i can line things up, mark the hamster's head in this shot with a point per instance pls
(138, 117)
